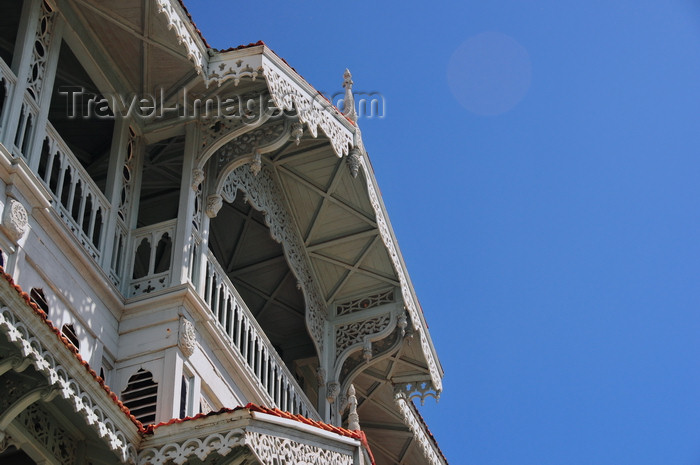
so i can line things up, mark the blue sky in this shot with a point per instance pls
(555, 245)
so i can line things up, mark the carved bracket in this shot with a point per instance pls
(263, 193)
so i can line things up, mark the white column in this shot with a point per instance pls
(114, 185)
(183, 232)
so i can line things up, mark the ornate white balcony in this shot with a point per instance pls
(77, 199)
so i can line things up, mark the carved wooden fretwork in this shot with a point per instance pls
(222, 71)
(178, 24)
(364, 303)
(259, 140)
(419, 435)
(357, 332)
(355, 362)
(197, 179)
(275, 450)
(312, 108)
(49, 434)
(314, 111)
(40, 51)
(128, 170)
(263, 193)
(179, 453)
(418, 390)
(268, 450)
(247, 110)
(44, 361)
(406, 293)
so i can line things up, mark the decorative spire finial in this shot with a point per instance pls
(353, 417)
(349, 101)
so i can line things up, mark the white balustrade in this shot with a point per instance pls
(250, 342)
(78, 200)
(152, 259)
(21, 142)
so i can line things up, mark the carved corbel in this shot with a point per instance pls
(333, 391)
(214, 204)
(197, 178)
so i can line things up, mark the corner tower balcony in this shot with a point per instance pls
(235, 249)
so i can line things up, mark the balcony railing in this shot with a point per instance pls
(152, 257)
(21, 142)
(249, 341)
(78, 200)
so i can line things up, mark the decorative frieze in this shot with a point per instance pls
(267, 449)
(312, 108)
(315, 111)
(179, 453)
(364, 303)
(275, 450)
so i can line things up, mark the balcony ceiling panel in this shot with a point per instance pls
(316, 165)
(125, 57)
(328, 274)
(333, 222)
(377, 260)
(136, 38)
(347, 190)
(349, 251)
(306, 204)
